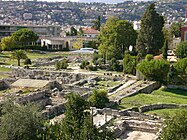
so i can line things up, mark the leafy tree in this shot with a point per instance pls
(175, 127)
(24, 36)
(20, 122)
(97, 23)
(181, 51)
(18, 54)
(80, 31)
(165, 50)
(98, 98)
(154, 69)
(115, 37)
(168, 35)
(129, 64)
(149, 57)
(151, 37)
(7, 43)
(176, 29)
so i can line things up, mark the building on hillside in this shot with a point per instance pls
(90, 32)
(65, 43)
(184, 28)
(47, 30)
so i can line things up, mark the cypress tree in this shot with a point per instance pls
(165, 50)
(151, 37)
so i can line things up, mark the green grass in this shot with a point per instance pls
(2, 69)
(164, 112)
(159, 96)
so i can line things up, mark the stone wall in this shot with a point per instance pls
(31, 97)
(59, 76)
(146, 108)
(177, 87)
(54, 110)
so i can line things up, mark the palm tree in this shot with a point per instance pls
(19, 54)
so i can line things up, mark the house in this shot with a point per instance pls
(184, 28)
(90, 32)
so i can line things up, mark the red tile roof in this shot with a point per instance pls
(90, 31)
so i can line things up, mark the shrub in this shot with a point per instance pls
(149, 57)
(91, 67)
(181, 66)
(129, 64)
(61, 64)
(98, 98)
(84, 63)
(175, 127)
(114, 65)
(27, 62)
(154, 69)
(181, 50)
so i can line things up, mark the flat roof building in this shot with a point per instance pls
(46, 30)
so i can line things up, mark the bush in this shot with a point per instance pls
(129, 64)
(175, 127)
(181, 51)
(181, 66)
(61, 64)
(27, 62)
(95, 58)
(114, 65)
(84, 63)
(98, 98)
(91, 67)
(149, 57)
(154, 69)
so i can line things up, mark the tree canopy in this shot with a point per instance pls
(154, 69)
(20, 122)
(7, 43)
(175, 127)
(151, 37)
(24, 36)
(115, 37)
(181, 51)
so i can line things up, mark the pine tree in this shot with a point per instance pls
(151, 37)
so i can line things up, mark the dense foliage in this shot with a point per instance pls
(165, 50)
(20, 122)
(7, 43)
(181, 50)
(98, 98)
(84, 63)
(154, 69)
(63, 64)
(175, 128)
(24, 36)
(129, 64)
(151, 37)
(115, 37)
(149, 57)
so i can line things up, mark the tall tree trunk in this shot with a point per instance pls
(18, 62)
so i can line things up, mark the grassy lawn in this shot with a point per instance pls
(2, 69)
(164, 112)
(158, 96)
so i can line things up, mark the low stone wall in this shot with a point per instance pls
(59, 76)
(176, 87)
(146, 108)
(150, 87)
(54, 110)
(32, 97)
